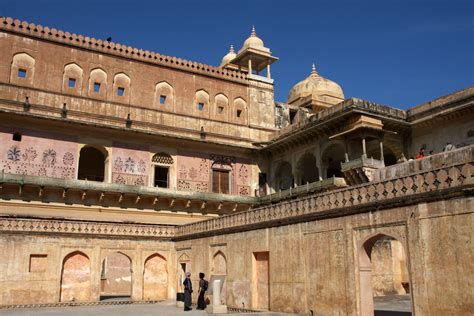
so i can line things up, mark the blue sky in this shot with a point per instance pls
(395, 52)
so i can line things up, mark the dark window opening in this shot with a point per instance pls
(200, 106)
(17, 137)
(96, 86)
(72, 82)
(161, 177)
(262, 184)
(292, 116)
(91, 164)
(162, 99)
(220, 109)
(220, 181)
(239, 113)
(120, 91)
(470, 133)
(22, 73)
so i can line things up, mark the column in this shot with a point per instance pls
(364, 151)
(269, 75)
(250, 66)
(381, 150)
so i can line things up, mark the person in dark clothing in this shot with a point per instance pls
(203, 284)
(188, 289)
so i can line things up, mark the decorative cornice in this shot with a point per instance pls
(63, 227)
(51, 34)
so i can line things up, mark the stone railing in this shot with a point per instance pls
(17, 225)
(363, 161)
(419, 186)
(326, 184)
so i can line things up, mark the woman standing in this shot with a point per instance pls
(203, 284)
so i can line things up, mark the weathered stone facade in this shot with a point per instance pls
(122, 169)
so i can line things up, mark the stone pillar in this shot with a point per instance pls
(216, 307)
(381, 151)
(364, 151)
(250, 66)
(269, 75)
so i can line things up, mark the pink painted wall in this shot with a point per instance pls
(38, 154)
(130, 164)
(194, 172)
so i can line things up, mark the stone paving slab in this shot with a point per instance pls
(159, 309)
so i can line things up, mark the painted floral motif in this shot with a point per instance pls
(30, 154)
(129, 165)
(120, 180)
(21, 169)
(68, 159)
(183, 172)
(243, 173)
(203, 168)
(14, 153)
(42, 172)
(193, 173)
(140, 181)
(118, 164)
(141, 166)
(201, 187)
(244, 190)
(49, 157)
(184, 185)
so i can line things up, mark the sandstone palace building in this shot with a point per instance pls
(122, 169)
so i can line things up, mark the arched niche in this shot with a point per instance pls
(155, 278)
(76, 278)
(116, 276)
(98, 84)
(164, 96)
(22, 69)
(72, 79)
(93, 162)
(121, 88)
(332, 157)
(383, 270)
(240, 111)
(201, 103)
(307, 170)
(221, 107)
(283, 176)
(219, 267)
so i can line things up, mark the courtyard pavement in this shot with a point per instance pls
(159, 309)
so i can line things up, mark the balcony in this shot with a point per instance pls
(360, 170)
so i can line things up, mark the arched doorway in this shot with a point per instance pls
(116, 276)
(219, 267)
(331, 158)
(155, 278)
(283, 176)
(383, 274)
(92, 164)
(76, 278)
(307, 170)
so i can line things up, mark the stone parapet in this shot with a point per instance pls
(434, 183)
(7, 24)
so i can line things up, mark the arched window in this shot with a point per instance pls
(240, 111)
(201, 103)
(98, 84)
(72, 79)
(121, 88)
(23, 69)
(92, 163)
(116, 276)
(221, 106)
(164, 96)
(161, 165)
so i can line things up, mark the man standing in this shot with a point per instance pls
(188, 289)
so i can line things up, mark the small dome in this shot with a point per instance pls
(228, 57)
(253, 40)
(317, 87)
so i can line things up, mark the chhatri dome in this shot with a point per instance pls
(228, 57)
(253, 40)
(323, 92)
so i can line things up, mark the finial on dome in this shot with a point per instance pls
(254, 33)
(231, 49)
(313, 70)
